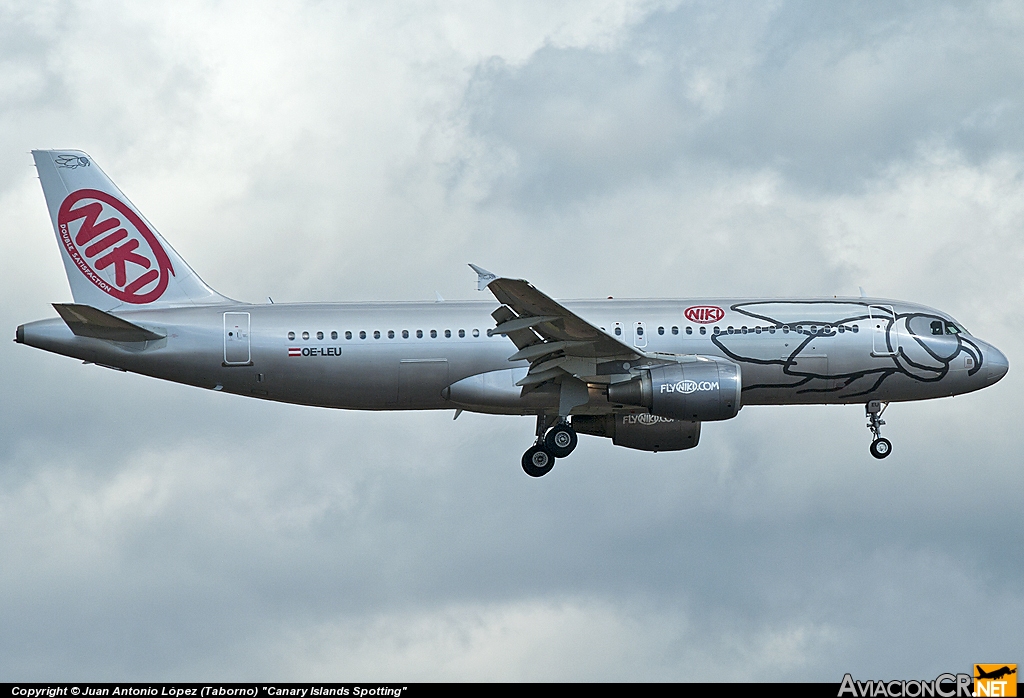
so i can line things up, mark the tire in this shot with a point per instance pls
(880, 448)
(560, 440)
(537, 461)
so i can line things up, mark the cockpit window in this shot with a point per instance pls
(937, 327)
(952, 329)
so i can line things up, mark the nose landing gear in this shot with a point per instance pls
(556, 442)
(880, 447)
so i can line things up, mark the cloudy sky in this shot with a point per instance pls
(365, 150)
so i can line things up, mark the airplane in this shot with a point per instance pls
(643, 373)
(996, 673)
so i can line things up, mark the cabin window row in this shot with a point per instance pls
(758, 329)
(362, 334)
(816, 330)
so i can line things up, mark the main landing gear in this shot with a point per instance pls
(558, 441)
(880, 448)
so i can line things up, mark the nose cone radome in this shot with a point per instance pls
(996, 364)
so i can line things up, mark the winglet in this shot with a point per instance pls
(862, 294)
(483, 277)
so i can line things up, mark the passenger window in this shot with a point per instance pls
(618, 331)
(689, 330)
(661, 330)
(476, 333)
(639, 330)
(744, 329)
(433, 334)
(771, 330)
(447, 334)
(376, 334)
(703, 330)
(391, 334)
(291, 335)
(730, 329)
(675, 330)
(462, 333)
(717, 331)
(405, 334)
(305, 335)
(362, 334)
(348, 334)
(334, 334)
(319, 335)
(757, 329)
(419, 334)
(785, 329)
(855, 328)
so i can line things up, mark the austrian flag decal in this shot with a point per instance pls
(314, 351)
(104, 237)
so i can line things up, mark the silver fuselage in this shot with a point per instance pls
(405, 356)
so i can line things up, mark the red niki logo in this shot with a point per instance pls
(704, 314)
(141, 267)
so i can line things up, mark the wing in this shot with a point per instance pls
(557, 342)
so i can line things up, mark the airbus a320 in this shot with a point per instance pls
(643, 373)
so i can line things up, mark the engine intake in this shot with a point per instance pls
(705, 390)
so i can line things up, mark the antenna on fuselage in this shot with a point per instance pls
(862, 294)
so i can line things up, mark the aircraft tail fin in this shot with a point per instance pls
(112, 255)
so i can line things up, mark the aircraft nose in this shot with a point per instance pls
(996, 364)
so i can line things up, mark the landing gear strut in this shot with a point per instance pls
(553, 442)
(880, 447)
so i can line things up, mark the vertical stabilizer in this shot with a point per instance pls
(112, 255)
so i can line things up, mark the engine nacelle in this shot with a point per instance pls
(644, 432)
(705, 390)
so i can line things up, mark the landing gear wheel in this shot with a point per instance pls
(880, 448)
(537, 461)
(560, 440)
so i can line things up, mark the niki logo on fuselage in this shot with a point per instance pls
(103, 236)
(704, 314)
(314, 351)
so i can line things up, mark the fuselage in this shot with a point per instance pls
(417, 356)
(644, 373)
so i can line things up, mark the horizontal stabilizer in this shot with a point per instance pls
(86, 321)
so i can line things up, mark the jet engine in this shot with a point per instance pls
(644, 432)
(706, 389)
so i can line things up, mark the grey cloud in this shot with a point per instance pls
(827, 95)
